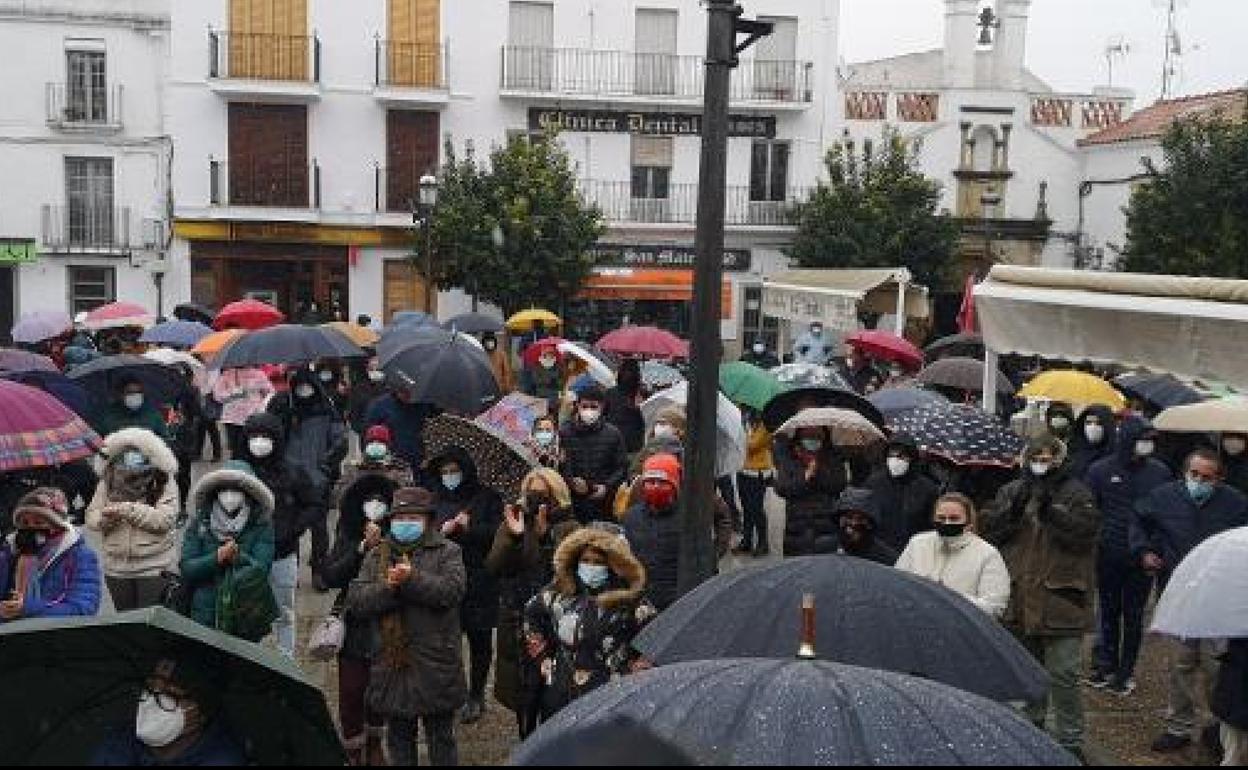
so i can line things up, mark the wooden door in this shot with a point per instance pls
(414, 55)
(269, 39)
(268, 155)
(404, 289)
(411, 152)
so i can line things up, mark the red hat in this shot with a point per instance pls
(662, 467)
(377, 433)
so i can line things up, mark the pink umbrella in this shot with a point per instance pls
(888, 346)
(41, 325)
(117, 315)
(645, 341)
(36, 430)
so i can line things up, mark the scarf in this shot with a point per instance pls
(395, 654)
(26, 571)
(224, 526)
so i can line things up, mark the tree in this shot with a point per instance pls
(516, 233)
(1192, 217)
(875, 210)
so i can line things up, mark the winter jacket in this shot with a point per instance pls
(906, 504)
(655, 538)
(142, 539)
(594, 453)
(758, 449)
(1167, 522)
(764, 361)
(968, 565)
(69, 577)
(621, 410)
(1046, 530)
(183, 419)
(297, 502)
(216, 747)
(363, 393)
(199, 567)
(1117, 483)
(485, 514)
(810, 521)
(862, 500)
(1237, 471)
(116, 416)
(543, 383)
(1229, 702)
(427, 605)
(316, 436)
(1084, 454)
(406, 423)
(587, 634)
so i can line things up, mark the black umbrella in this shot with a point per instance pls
(782, 407)
(1162, 390)
(191, 312)
(890, 401)
(968, 345)
(397, 338)
(69, 683)
(963, 435)
(869, 615)
(443, 369)
(286, 344)
(65, 390)
(961, 374)
(474, 323)
(796, 713)
(101, 377)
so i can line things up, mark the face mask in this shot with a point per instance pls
(29, 541)
(1144, 448)
(898, 466)
(156, 727)
(546, 362)
(533, 502)
(1040, 469)
(659, 497)
(544, 437)
(452, 480)
(590, 416)
(407, 531)
(1200, 491)
(594, 576)
(231, 500)
(663, 430)
(376, 510)
(133, 459)
(325, 375)
(816, 330)
(895, 371)
(376, 375)
(305, 391)
(376, 451)
(1234, 446)
(1094, 433)
(134, 401)
(760, 348)
(260, 446)
(489, 344)
(950, 531)
(1059, 423)
(811, 444)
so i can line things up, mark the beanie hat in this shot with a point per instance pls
(48, 503)
(378, 433)
(412, 500)
(662, 467)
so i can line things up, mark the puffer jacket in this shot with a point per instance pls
(655, 538)
(1083, 454)
(966, 564)
(297, 503)
(485, 514)
(68, 579)
(316, 435)
(141, 540)
(905, 504)
(1046, 530)
(594, 453)
(1117, 483)
(810, 521)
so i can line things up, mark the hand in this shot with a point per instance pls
(227, 553)
(580, 486)
(1151, 562)
(398, 574)
(600, 492)
(11, 609)
(464, 520)
(812, 470)
(372, 535)
(640, 664)
(534, 645)
(513, 519)
(449, 526)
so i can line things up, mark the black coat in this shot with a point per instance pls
(595, 453)
(905, 504)
(621, 410)
(298, 503)
(1117, 483)
(655, 538)
(485, 511)
(810, 525)
(1168, 523)
(1230, 693)
(1082, 453)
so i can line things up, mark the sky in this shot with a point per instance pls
(1067, 40)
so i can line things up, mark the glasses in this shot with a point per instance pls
(166, 701)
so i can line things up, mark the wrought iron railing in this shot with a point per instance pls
(743, 206)
(69, 105)
(410, 65)
(266, 182)
(92, 226)
(264, 56)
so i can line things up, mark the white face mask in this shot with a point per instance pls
(260, 446)
(231, 500)
(663, 430)
(376, 375)
(1094, 433)
(1234, 446)
(376, 510)
(760, 348)
(590, 416)
(1040, 469)
(305, 391)
(547, 362)
(1145, 448)
(156, 727)
(326, 375)
(134, 401)
(898, 466)
(1059, 423)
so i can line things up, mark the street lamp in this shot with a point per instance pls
(426, 200)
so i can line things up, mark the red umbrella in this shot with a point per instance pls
(248, 314)
(117, 315)
(888, 346)
(647, 341)
(544, 345)
(36, 430)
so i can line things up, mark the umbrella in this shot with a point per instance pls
(1207, 595)
(36, 430)
(60, 387)
(730, 436)
(41, 325)
(189, 311)
(412, 318)
(1163, 390)
(355, 334)
(1073, 387)
(182, 334)
(501, 463)
(964, 435)
(534, 351)
(1225, 415)
(513, 416)
(172, 357)
(117, 315)
(961, 374)
(101, 376)
(70, 682)
(805, 712)
(474, 323)
(249, 314)
(748, 385)
(810, 376)
(213, 344)
(790, 402)
(656, 375)
(965, 345)
(890, 401)
(848, 428)
(523, 321)
(286, 344)
(442, 369)
(14, 360)
(580, 358)
(648, 341)
(888, 346)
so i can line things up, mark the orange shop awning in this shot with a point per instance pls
(652, 285)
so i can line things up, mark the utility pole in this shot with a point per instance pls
(1173, 50)
(697, 552)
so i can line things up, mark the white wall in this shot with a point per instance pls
(1105, 223)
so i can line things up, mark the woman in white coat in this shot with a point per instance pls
(954, 556)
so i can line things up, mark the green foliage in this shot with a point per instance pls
(514, 233)
(1192, 218)
(875, 210)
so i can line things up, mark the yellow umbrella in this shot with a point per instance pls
(1074, 387)
(359, 335)
(216, 342)
(523, 321)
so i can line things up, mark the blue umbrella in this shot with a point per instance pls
(41, 325)
(890, 401)
(178, 334)
(1161, 390)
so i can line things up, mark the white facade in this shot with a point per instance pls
(90, 91)
(1110, 173)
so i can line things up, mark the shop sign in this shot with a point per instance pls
(16, 251)
(645, 123)
(676, 257)
(792, 304)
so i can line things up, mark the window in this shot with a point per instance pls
(656, 51)
(775, 66)
(411, 152)
(87, 100)
(89, 193)
(652, 166)
(769, 171)
(90, 287)
(531, 40)
(759, 326)
(269, 163)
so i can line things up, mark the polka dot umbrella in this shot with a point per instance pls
(963, 435)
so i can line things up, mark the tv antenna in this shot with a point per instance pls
(1170, 70)
(1116, 49)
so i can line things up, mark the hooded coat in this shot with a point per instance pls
(1083, 453)
(406, 423)
(594, 453)
(297, 504)
(863, 501)
(316, 436)
(141, 540)
(655, 537)
(587, 634)
(68, 577)
(810, 525)
(1117, 483)
(906, 503)
(1046, 530)
(485, 514)
(200, 570)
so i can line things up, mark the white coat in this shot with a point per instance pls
(968, 565)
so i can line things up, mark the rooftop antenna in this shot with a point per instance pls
(1115, 49)
(1174, 51)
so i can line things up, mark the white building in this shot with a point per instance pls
(83, 152)
(302, 130)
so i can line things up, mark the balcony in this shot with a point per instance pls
(395, 190)
(265, 183)
(250, 66)
(89, 229)
(563, 74)
(680, 207)
(72, 108)
(410, 74)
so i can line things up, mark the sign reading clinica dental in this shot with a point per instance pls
(645, 123)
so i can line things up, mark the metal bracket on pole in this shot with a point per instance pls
(752, 27)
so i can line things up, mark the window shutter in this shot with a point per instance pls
(652, 151)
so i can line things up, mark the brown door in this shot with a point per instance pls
(411, 152)
(404, 288)
(415, 52)
(269, 39)
(268, 155)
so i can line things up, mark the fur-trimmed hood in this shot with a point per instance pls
(254, 488)
(142, 439)
(628, 574)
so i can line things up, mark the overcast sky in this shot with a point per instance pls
(1067, 39)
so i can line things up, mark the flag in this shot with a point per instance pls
(966, 313)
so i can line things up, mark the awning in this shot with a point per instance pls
(1194, 328)
(835, 297)
(651, 285)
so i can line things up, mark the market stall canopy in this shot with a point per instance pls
(835, 297)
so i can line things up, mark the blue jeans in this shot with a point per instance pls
(1123, 591)
(284, 578)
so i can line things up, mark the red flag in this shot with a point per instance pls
(353, 255)
(966, 313)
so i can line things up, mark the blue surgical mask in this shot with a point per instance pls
(812, 444)
(594, 576)
(544, 437)
(407, 531)
(376, 451)
(452, 480)
(1200, 491)
(133, 459)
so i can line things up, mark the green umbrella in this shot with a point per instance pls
(68, 683)
(746, 384)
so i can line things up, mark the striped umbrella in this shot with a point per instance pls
(36, 430)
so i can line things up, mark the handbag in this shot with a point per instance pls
(246, 607)
(327, 638)
(175, 594)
